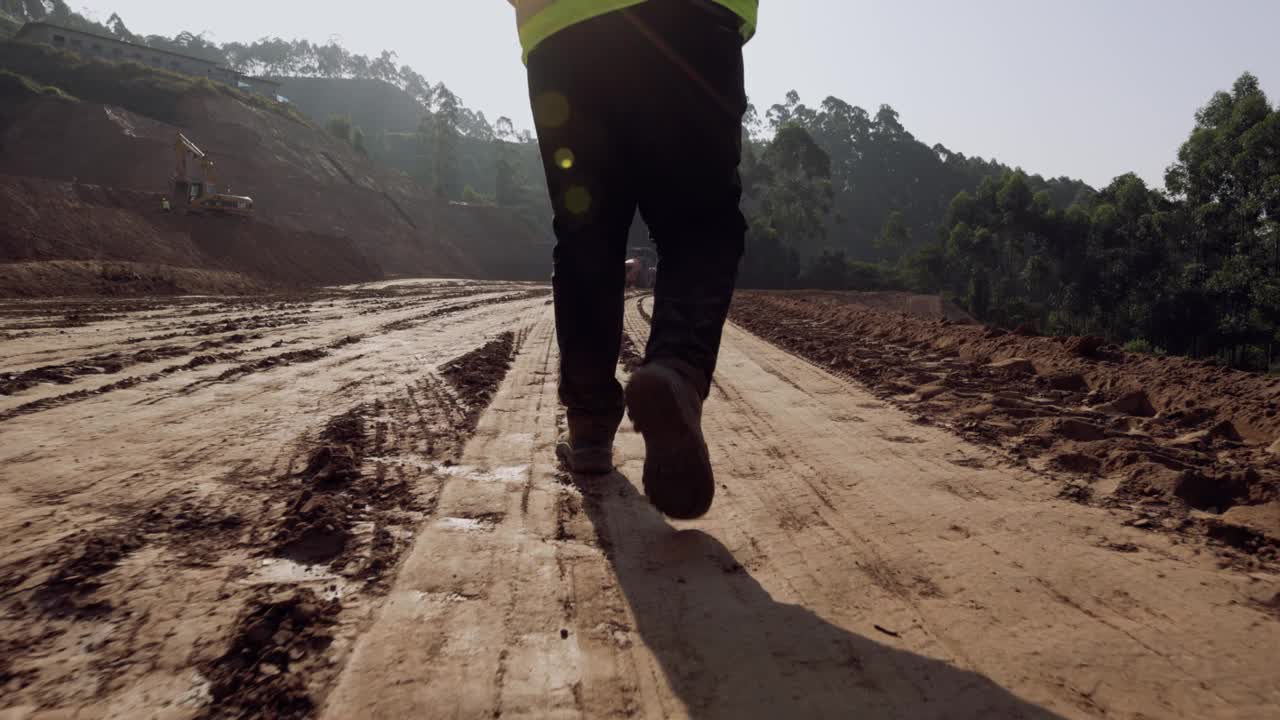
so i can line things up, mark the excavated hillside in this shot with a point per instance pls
(81, 181)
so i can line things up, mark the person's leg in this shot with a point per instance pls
(688, 146)
(594, 206)
(690, 189)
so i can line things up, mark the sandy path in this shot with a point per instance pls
(855, 564)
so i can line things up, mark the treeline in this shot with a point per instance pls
(836, 195)
(841, 200)
(1193, 269)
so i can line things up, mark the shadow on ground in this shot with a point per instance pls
(729, 650)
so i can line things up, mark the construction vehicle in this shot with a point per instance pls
(642, 268)
(195, 185)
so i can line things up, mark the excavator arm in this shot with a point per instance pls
(202, 193)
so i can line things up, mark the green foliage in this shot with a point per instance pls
(133, 86)
(787, 194)
(1141, 345)
(439, 131)
(472, 197)
(1195, 271)
(339, 126)
(878, 168)
(15, 88)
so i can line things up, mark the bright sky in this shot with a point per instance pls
(1086, 88)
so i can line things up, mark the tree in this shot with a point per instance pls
(895, 236)
(445, 144)
(508, 181)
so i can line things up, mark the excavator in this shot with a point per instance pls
(196, 188)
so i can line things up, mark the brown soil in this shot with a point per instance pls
(476, 375)
(107, 364)
(81, 182)
(317, 523)
(280, 639)
(115, 241)
(115, 279)
(928, 307)
(1174, 439)
(163, 545)
(339, 502)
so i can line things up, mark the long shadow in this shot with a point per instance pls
(729, 650)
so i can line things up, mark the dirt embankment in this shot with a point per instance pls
(71, 238)
(1187, 444)
(84, 184)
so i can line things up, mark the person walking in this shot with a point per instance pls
(638, 104)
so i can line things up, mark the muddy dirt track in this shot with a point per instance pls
(298, 506)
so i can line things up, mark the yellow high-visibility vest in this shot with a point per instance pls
(540, 19)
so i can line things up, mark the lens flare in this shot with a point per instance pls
(551, 109)
(577, 200)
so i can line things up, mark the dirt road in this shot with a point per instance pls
(315, 519)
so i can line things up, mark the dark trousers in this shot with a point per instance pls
(641, 108)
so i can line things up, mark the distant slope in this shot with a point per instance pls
(373, 105)
(390, 119)
(325, 213)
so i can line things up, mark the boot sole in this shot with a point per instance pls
(678, 478)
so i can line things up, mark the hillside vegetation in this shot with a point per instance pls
(131, 85)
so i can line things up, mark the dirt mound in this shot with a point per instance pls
(316, 526)
(324, 213)
(278, 639)
(114, 279)
(929, 307)
(1166, 436)
(476, 375)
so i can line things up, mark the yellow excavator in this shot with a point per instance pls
(195, 186)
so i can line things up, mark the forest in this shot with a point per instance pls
(842, 198)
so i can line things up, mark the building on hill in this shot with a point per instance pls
(101, 47)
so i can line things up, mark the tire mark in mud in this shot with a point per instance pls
(12, 383)
(125, 383)
(71, 590)
(640, 308)
(283, 359)
(371, 476)
(241, 324)
(411, 322)
(279, 648)
(271, 362)
(475, 376)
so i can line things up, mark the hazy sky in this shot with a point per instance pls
(1086, 88)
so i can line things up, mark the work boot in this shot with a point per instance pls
(666, 408)
(587, 448)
